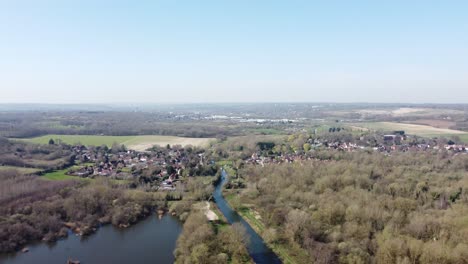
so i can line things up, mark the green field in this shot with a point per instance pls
(59, 176)
(20, 169)
(83, 139)
(464, 137)
(132, 142)
(413, 129)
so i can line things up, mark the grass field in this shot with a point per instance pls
(406, 111)
(433, 122)
(464, 137)
(412, 129)
(20, 169)
(59, 176)
(139, 143)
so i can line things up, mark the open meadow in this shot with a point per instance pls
(414, 129)
(139, 143)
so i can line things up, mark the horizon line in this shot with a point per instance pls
(227, 102)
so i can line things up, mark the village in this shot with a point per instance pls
(386, 144)
(158, 169)
(162, 167)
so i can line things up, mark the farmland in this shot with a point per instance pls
(419, 130)
(433, 122)
(139, 143)
(405, 111)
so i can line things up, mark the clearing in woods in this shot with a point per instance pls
(139, 143)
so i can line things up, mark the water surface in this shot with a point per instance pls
(152, 240)
(257, 247)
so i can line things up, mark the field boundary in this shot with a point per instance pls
(135, 142)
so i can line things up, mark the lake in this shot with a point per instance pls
(151, 240)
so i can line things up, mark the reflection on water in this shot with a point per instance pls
(150, 241)
(257, 248)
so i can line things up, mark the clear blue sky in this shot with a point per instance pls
(233, 51)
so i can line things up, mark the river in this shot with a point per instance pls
(257, 247)
(152, 240)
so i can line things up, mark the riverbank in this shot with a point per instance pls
(257, 248)
(289, 254)
(85, 207)
(208, 240)
(285, 254)
(207, 236)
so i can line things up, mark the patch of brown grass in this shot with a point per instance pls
(434, 123)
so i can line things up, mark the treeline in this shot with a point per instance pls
(47, 212)
(364, 207)
(203, 242)
(33, 209)
(18, 190)
(46, 157)
(31, 124)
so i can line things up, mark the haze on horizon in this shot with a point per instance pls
(233, 51)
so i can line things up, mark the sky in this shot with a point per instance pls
(174, 51)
